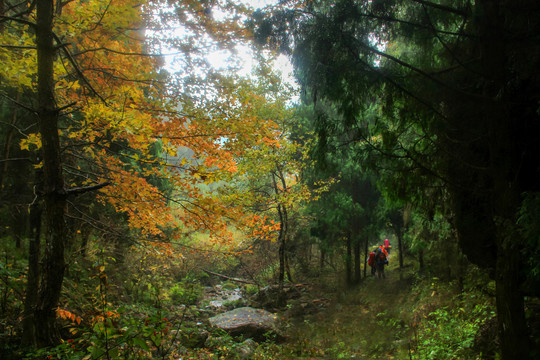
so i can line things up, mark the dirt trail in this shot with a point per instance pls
(370, 321)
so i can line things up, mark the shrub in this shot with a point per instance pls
(186, 292)
(450, 334)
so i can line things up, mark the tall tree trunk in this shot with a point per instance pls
(357, 261)
(32, 279)
(288, 267)
(510, 307)
(502, 114)
(54, 193)
(513, 333)
(421, 260)
(85, 236)
(8, 144)
(462, 269)
(283, 235)
(281, 255)
(348, 261)
(449, 256)
(399, 235)
(365, 257)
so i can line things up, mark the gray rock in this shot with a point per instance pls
(247, 322)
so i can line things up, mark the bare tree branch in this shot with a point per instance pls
(18, 47)
(116, 52)
(26, 107)
(77, 68)
(443, 8)
(81, 190)
(227, 277)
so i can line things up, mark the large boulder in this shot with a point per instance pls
(247, 322)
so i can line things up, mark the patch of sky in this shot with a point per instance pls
(187, 53)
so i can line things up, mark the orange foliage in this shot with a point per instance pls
(67, 315)
(117, 115)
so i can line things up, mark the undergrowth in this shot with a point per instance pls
(149, 314)
(447, 322)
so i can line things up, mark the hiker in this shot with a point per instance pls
(371, 262)
(380, 262)
(387, 246)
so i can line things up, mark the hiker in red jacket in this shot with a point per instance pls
(380, 261)
(371, 262)
(387, 246)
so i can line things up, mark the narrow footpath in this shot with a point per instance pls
(369, 321)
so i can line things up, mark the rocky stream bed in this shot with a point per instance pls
(359, 323)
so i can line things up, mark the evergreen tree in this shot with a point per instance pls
(457, 93)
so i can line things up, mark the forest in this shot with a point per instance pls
(168, 191)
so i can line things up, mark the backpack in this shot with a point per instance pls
(371, 260)
(380, 258)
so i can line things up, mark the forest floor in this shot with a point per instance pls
(370, 321)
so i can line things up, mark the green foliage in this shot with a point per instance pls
(251, 289)
(447, 322)
(187, 292)
(229, 285)
(397, 325)
(65, 351)
(268, 274)
(122, 334)
(450, 333)
(431, 235)
(12, 286)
